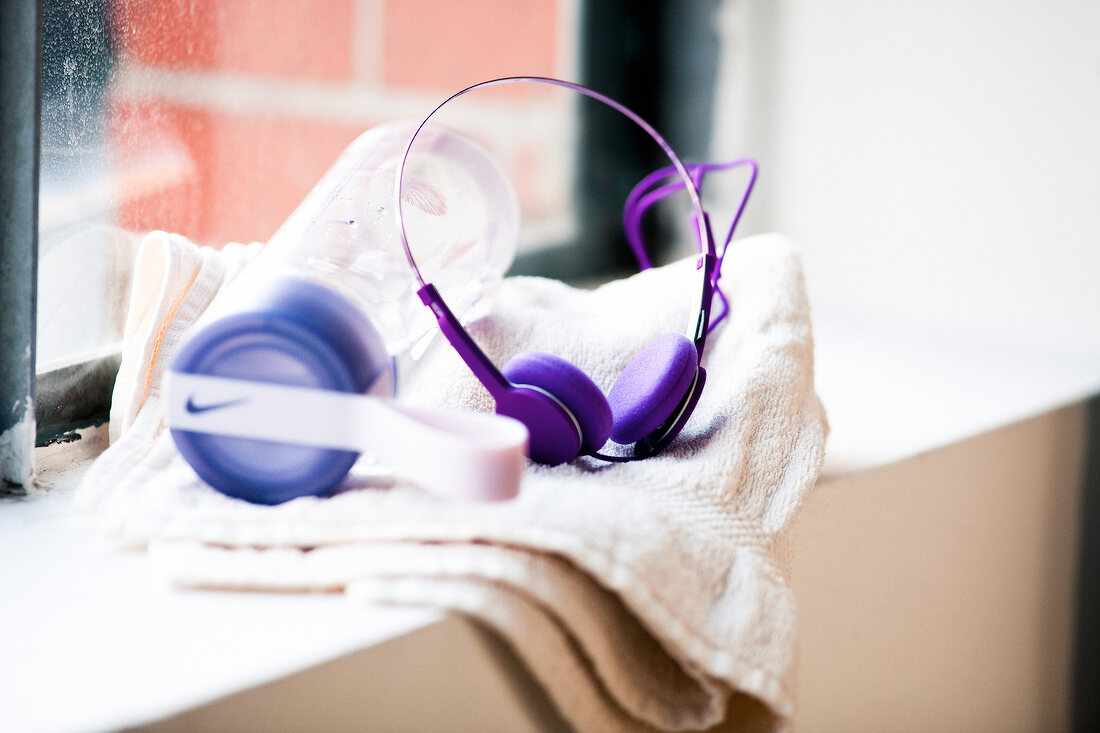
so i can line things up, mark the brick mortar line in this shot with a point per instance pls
(567, 16)
(367, 49)
(309, 100)
(510, 129)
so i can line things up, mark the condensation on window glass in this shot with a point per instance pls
(84, 257)
(214, 119)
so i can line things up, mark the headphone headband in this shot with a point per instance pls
(483, 368)
(698, 217)
(527, 388)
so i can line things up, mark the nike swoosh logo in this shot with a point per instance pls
(196, 409)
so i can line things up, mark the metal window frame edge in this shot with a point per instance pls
(20, 113)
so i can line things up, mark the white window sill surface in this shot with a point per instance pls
(93, 641)
(893, 393)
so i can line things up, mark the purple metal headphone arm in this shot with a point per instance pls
(557, 431)
(484, 369)
(708, 262)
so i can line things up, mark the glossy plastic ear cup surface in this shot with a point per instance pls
(569, 385)
(651, 387)
(300, 334)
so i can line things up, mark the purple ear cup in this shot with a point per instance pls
(652, 386)
(571, 387)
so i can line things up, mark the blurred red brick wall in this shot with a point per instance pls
(224, 114)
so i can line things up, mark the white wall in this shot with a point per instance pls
(938, 161)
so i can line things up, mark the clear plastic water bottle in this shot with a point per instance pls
(460, 214)
(330, 303)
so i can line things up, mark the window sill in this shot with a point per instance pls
(94, 642)
(893, 393)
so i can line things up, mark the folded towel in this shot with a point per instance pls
(645, 595)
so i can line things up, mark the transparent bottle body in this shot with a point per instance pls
(461, 221)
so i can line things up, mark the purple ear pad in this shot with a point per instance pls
(297, 333)
(571, 386)
(652, 386)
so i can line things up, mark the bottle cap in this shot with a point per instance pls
(296, 333)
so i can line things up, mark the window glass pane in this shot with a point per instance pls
(83, 258)
(214, 119)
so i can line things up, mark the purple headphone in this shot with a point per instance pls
(566, 414)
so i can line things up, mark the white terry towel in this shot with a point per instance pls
(645, 595)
